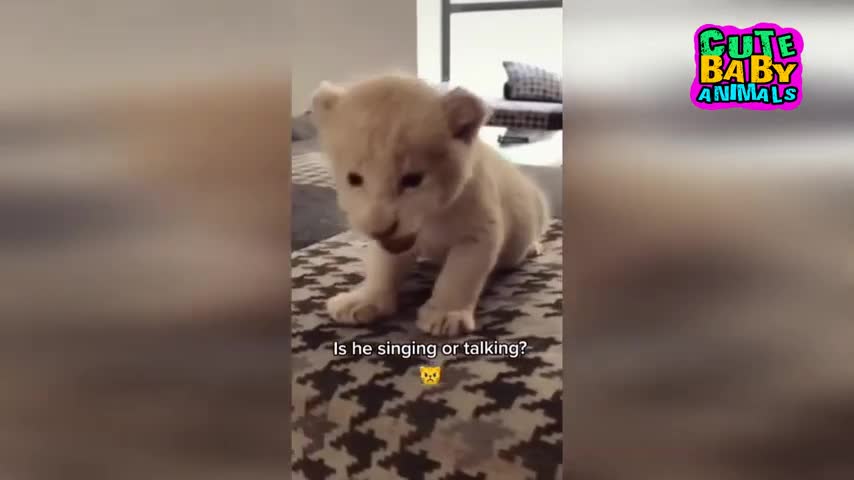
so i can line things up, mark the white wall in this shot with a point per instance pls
(481, 41)
(430, 40)
(338, 39)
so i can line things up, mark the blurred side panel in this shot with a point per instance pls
(708, 254)
(144, 239)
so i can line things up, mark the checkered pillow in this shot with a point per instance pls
(527, 82)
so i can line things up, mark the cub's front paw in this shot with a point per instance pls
(445, 323)
(360, 306)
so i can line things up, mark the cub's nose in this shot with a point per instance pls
(387, 232)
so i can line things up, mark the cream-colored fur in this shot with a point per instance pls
(472, 210)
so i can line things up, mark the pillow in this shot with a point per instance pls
(527, 82)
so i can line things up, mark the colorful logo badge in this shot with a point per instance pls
(758, 68)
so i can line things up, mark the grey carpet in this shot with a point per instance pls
(315, 215)
(302, 128)
(305, 146)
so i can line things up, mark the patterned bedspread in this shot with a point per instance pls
(369, 417)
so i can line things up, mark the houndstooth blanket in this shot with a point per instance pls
(369, 417)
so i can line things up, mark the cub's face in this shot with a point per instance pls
(399, 152)
(431, 375)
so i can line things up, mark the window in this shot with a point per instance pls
(465, 41)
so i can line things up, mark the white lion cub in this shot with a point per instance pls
(412, 174)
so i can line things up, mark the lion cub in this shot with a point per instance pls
(412, 174)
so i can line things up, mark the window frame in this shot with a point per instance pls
(449, 8)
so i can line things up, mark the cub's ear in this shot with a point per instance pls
(324, 100)
(465, 113)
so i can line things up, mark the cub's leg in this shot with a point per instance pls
(450, 310)
(376, 296)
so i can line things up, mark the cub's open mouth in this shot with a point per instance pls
(398, 245)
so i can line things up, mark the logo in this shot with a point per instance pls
(757, 68)
(431, 375)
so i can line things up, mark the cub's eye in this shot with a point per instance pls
(354, 179)
(411, 180)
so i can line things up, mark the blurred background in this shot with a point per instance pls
(144, 246)
(709, 254)
(629, 61)
(144, 188)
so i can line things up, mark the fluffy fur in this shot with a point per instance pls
(412, 174)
